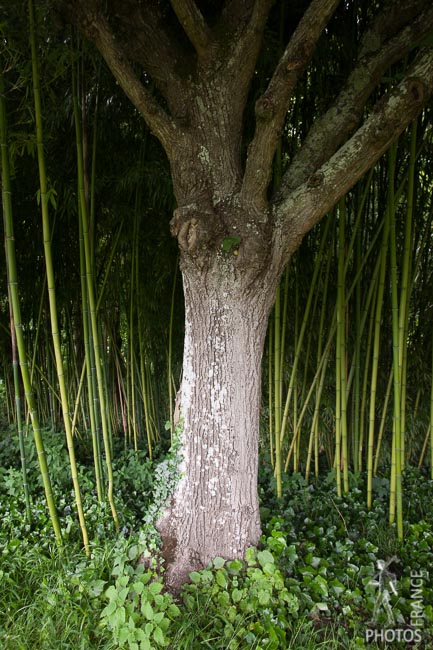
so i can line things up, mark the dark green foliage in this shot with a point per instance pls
(311, 582)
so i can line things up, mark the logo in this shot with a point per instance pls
(383, 625)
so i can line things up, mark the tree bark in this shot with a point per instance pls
(215, 510)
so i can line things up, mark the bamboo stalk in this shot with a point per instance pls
(341, 340)
(396, 498)
(277, 390)
(16, 310)
(304, 324)
(405, 289)
(97, 351)
(51, 283)
(376, 351)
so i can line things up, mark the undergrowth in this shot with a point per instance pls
(318, 579)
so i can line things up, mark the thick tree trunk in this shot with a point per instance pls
(215, 509)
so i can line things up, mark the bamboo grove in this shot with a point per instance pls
(91, 303)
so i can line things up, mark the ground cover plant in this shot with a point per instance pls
(313, 581)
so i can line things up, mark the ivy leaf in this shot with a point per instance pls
(195, 577)
(221, 579)
(230, 242)
(265, 557)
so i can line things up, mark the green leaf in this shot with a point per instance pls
(124, 634)
(138, 587)
(230, 242)
(145, 645)
(108, 611)
(221, 579)
(155, 587)
(195, 577)
(159, 600)
(118, 617)
(158, 635)
(147, 610)
(218, 562)
(250, 556)
(237, 595)
(264, 597)
(173, 610)
(111, 592)
(96, 587)
(140, 634)
(157, 618)
(234, 567)
(265, 557)
(133, 552)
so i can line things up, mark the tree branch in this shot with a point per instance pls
(147, 38)
(377, 53)
(303, 208)
(246, 29)
(86, 14)
(272, 106)
(193, 24)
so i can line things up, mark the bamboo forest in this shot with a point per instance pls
(123, 385)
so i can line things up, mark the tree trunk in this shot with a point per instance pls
(215, 510)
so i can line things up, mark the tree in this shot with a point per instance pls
(188, 68)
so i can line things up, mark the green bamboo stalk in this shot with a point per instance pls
(93, 403)
(314, 433)
(277, 390)
(376, 350)
(285, 284)
(18, 411)
(146, 407)
(16, 310)
(406, 282)
(341, 340)
(324, 295)
(314, 383)
(50, 279)
(131, 340)
(338, 383)
(383, 422)
(305, 322)
(431, 421)
(357, 363)
(297, 436)
(270, 392)
(92, 306)
(368, 356)
(424, 446)
(396, 499)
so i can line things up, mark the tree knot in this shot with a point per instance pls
(416, 89)
(194, 227)
(265, 108)
(316, 179)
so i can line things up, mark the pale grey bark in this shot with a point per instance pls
(215, 509)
